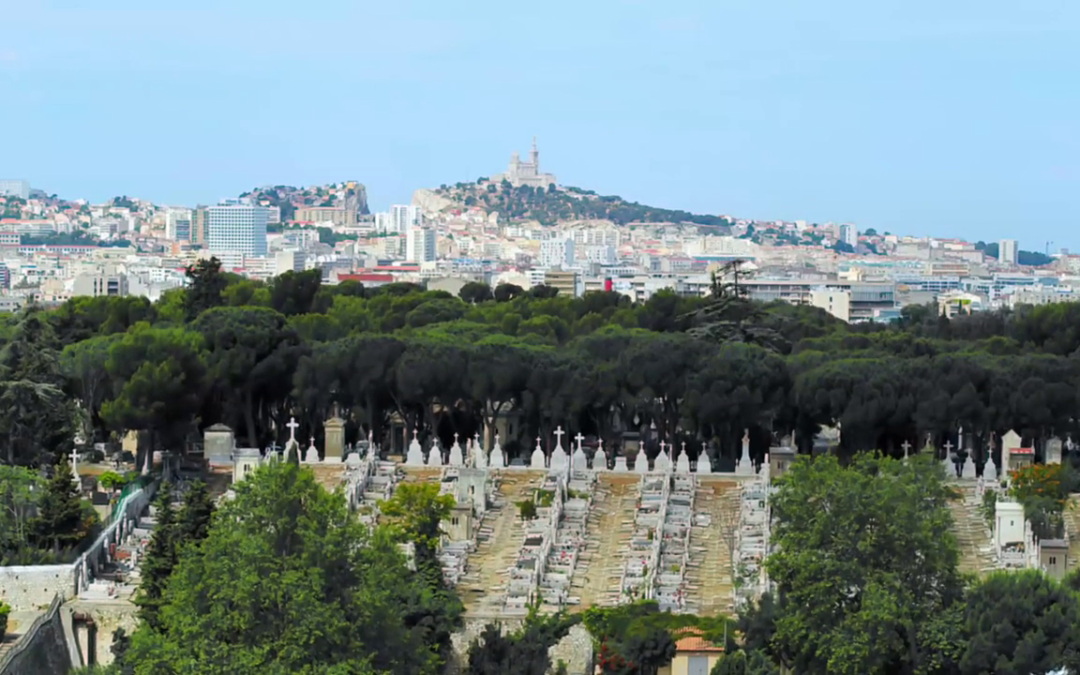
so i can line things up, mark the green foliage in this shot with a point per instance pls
(1020, 622)
(415, 513)
(63, 520)
(5, 611)
(864, 553)
(161, 557)
(289, 581)
(206, 284)
(988, 508)
(20, 492)
(527, 509)
(523, 651)
(110, 480)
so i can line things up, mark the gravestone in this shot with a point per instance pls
(704, 462)
(435, 454)
(682, 462)
(456, 458)
(538, 460)
(334, 438)
(620, 465)
(311, 455)
(599, 460)
(580, 460)
(662, 463)
(745, 467)
(415, 455)
(559, 460)
(641, 462)
(969, 471)
(497, 459)
(1053, 451)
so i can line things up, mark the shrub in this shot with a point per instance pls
(5, 610)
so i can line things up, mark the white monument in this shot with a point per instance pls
(641, 462)
(599, 459)
(682, 462)
(559, 459)
(538, 460)
(745, 467)
(311, 455)
(704, 463)
(498, 461)
(415, 456)
(580, 461)
(435, 454)
(456, 458)
(663, 461)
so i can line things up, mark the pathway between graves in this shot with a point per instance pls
(972, 533)
(1072, 529)
(710, 582)
(611, 527)
(482, 588)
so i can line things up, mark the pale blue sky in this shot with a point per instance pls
(946, 117)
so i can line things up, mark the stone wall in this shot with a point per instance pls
(576, 649)
(27, 588)
(43, 649)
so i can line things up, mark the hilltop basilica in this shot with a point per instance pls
(526, 173)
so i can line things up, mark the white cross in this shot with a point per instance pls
(293, 426)
(579, 438)
(948, 446)
(75, 462)
(313, 441)
(684, 447)
(906, 446)
(455, 437)
(558, 435)
(539, 442)
(662, 446)
(600, 444)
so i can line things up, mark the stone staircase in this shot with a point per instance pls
(710, 577)
(482, 588)
(610, 527)
(972, 534)
(1072, 529)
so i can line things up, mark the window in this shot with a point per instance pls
(1053, 560)
(454, 521)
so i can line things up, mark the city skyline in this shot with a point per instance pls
(945, 121)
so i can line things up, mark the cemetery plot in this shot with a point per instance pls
(611, 527)
(560, 567)
(710, 577)
(483, 586)
(751, 541)
(643, 554)
(972, 533)
(1072, 529)
(669, 581)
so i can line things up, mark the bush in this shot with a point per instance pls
(5, 610)
(110, 480)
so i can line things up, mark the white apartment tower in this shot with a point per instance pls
(237, 226)
(178, 225)
(403, 218)
(558, 253)
(1008, 251)
(420, 245)
(14, 188)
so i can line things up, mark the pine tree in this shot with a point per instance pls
(61, 522)
(194, 518)
(160, 559)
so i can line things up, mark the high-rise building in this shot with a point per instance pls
(849, 235)
(420, 245)
(557, 252)
(403, 218)
(178, 225)
(198, 226)
(14, 188)
(238, 227)
(1008, 251)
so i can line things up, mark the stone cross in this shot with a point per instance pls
(75, 464)
(662, 446)
(293, 426)
(948, 446)
(558, 436)
(906, 446)
(579, 438)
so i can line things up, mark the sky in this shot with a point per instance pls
(927, 117)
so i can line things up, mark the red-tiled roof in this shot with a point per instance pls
(691, 641)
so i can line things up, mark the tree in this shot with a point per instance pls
(1020, 623)
(507, 292)
(288, 580)
(523, 651)
(206, 283)
(160, 559)
(295, 292)
(63, 521)
(865, 554)
(415, 513)
(475, 292)
(193, 521)
(20, 489)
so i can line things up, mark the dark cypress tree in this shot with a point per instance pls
(160, 559)
(61, 523)
(194, 519)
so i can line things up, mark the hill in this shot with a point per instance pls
(555, 204)
(346, 194)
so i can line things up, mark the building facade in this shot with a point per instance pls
(237, 227)
(14, 188)
(420, 245)
(1008, 251)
